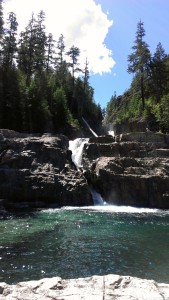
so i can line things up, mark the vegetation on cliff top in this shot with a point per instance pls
(41, 85)
(148, 96)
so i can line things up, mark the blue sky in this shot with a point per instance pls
(120, 38)
(104, 30)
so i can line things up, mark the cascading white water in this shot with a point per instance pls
(111, 132)
(88, 126)
(76, 146)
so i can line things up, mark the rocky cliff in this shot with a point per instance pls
(132, 169)
(38, 171)
(109, 287)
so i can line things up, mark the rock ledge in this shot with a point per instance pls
(109, 287)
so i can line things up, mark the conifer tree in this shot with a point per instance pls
(139, 59)
(61, 64)
(26, 51)
(1, 20)
(32, 47)
(50, 51)
(74, 53)
(1, 36)
(86, 74)
(40, 43)
(10, 42)
(61, 50)
(159, 76)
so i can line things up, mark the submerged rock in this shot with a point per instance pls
(107, 287)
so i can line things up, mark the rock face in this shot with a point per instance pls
(39, 172)
(132, 169)
(109, 287)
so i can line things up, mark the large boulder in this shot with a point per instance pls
(39, 169)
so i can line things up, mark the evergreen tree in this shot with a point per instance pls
(79, 98)
(32, 47)
(139, 59)
(86, 74)
(61, 50)
(74, 54)
(1, 36)
(159, 72)
(26, 51)
(38, 108)
(61, 113)
(61, 64)
(10, 43)
(1, 21)
(50, 60)
(40, 43)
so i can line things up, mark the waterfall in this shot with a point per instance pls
(76, 146)
(111, 132)
(97, 198)
(91, 130)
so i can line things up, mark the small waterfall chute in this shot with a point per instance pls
(111, 132)
(88, 126)
(97, 198)
(76, 146)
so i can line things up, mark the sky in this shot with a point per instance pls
(104, 30)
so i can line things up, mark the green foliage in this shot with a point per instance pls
(61, 114)
(161, 112)
(139, 59)
(9, 42)
(10, 101)
(148, 95)
(39, 89)
(135, 107)
(37, 106)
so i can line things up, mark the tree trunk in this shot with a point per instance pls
(142, 91)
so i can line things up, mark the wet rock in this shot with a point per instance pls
(38, 169)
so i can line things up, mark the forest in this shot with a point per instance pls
(147, 99)
(42, 87)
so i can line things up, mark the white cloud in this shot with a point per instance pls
(82, 22)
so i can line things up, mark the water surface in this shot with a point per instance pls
(80, 242)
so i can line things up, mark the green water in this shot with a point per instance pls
(78, 242)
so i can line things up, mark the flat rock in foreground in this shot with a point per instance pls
(109, 287)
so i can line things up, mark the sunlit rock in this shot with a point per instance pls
(107, 287)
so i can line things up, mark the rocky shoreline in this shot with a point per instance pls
(108, 287)
(130, 169)
(37, 172)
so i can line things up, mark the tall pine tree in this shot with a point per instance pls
(139, 59)
(10, 42)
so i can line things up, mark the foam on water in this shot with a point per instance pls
(112, 209)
